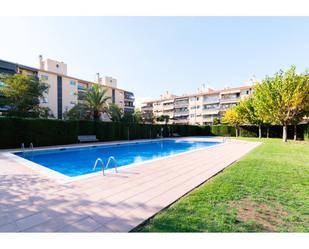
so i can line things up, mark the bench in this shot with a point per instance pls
(87, 138)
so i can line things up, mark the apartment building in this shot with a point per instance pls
(200, 108)
(66, 91)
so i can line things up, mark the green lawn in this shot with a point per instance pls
(267, 190)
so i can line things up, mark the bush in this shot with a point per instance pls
(306, 132)
(44, 132)
(222, 130)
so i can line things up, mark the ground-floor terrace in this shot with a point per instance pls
(117, 202)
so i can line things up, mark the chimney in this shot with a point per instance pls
(41, 63)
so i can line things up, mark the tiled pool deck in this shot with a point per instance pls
(33, 202)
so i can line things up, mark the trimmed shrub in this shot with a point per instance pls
(44, 132)
(222, 130)
(249, 131)
(306, 132)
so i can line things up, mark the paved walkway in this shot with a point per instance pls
(31, 202)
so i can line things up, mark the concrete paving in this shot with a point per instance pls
(32, 202)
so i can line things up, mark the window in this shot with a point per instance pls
(44, 77)
(192, 115)
(72, 82)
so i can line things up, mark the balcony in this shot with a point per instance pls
(181, 104)
(208, 119)
(147, 108)
(211, 111)
(181, 112)
(229, 96)
(129, 96)
(227, 106)
(82, 88)
(211, 99)
(168, 107)
(230, 100)
(181, 121)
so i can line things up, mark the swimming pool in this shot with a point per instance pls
(80, 160)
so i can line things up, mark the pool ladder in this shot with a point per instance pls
(226, 139)
(22, 147)
(111, 158)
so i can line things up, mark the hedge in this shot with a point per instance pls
(44, 132)
(306, 133)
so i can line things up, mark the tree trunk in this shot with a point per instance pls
(267, 132)
(96, 115)
(295, 132)
(260, 131)
(285, 133)
(236, 129)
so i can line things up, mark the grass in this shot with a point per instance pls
(265, 191)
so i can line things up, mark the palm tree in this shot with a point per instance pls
(115, 113)
(96, 100)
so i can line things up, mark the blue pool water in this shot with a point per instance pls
(80, 161)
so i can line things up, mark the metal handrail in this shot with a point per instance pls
(115, 163)
(95, 165)
(22, 147)
(105, 167)
(226, 139)
(31, 146)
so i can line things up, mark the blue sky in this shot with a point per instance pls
(149, 55)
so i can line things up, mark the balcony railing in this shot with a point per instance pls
(181, 111)
(214, 100)
(147, 108)
(181, 104)
(208, 119)
(229, 99)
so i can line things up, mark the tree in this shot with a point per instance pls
(22, 95)
(115, 113)
(247, 111)
(96, 101)
(163, 118)
(78, 112)
(215, 121)
(147, 117)
(283, 99)
(232, 117)
(138, 118)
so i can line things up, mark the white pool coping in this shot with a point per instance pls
(63, 179)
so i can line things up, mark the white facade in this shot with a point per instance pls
(201, 108)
